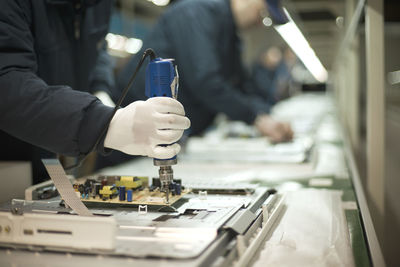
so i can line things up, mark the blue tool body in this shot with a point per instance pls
(160, 74)
(161, 80)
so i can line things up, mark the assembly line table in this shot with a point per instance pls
(329, 165)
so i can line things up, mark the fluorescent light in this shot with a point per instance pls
(133, 45)
(160, 2)
(295, 39)
(111, 39)
(121, 43)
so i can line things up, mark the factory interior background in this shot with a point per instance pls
(356, 46)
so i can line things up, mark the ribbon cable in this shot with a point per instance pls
(64, 187)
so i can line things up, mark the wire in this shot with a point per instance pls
(149, 52)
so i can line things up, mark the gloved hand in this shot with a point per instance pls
(141, 127)
(276, 131)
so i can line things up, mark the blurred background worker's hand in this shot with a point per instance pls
(141, 127)
(276, 131)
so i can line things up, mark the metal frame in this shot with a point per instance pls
(347, 83)
(352, 28)
(373, 243)
(347, 71)
(375, 111)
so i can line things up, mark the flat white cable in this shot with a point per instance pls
(64, 187)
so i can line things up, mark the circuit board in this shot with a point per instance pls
(143, 197)
(126, 191)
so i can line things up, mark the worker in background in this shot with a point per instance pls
(201, 35)
(52, 61)
(271, 74)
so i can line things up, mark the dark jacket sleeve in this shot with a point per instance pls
(56, 118)
(102, 76)
(196, 42)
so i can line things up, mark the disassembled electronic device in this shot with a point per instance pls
(40, 230)
(201, 229)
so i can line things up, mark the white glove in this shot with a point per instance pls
(141, 127)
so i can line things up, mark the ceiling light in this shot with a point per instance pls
(295, 39)
(133, 45)
(160, 2)
(123, 44)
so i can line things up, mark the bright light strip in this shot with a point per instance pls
(123, 44)
(133, 45)
(160, 2)
(295, 39)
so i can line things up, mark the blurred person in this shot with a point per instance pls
(202, 36)
(264, 73)
(52, 57)
(272, 74)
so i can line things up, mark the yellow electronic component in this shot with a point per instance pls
(131, 182)
(144, 179)
(108, 190)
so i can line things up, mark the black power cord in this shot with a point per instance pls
(149, 52)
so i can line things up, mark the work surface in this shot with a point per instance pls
(235, 160)
(322, 225)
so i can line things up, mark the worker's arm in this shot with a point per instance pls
(56, 118)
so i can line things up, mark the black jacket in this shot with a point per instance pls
(52, 55)
(201, 36)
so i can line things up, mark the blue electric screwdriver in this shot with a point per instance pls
(162, 79)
